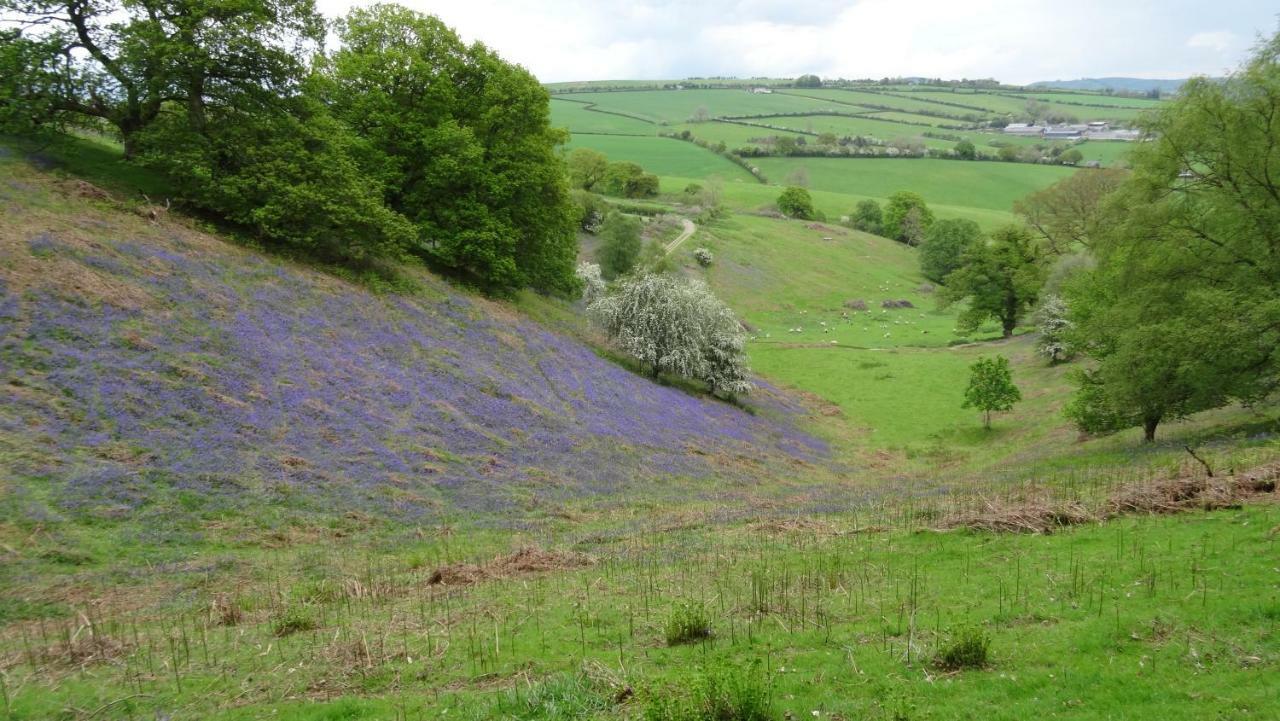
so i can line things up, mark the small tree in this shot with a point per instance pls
(593, 285)
(966, 151)
(899, 205)
(1001, 281)
(1055, 328)
(991, 388)
(1071, 157)
(796, 203)
(701, 115)
(620, 246)
(867, 217)
(703, 256)
(676, 326)
(629, 180)
(913, 228)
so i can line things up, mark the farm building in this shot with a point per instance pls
(1065, 132)
(1023, 129)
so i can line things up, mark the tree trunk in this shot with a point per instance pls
(986, 420)
(1149, 429)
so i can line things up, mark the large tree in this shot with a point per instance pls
(1182, 312)
(464, 144)
(1000, 280)
(124, 63)
(945, 245)
(1069, 214)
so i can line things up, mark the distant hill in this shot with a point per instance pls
(1132, 85)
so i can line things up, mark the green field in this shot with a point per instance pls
(579, 119)
(862, 98)
(678, 106)
(664, 156)
(990, 186)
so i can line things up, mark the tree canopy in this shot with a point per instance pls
(796, 202)
(898, 226)
(1182, 311)
(402, 140)
(991, 388)
(1000, 280)
(945, 245)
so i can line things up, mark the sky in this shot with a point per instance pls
(1015, 41)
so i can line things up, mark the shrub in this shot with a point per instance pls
(797, 203)
(969, 648)
(1055, 329)
(593, 286)
(896, 211)
(592, 210)
(678, 327)
(566, 696)
(703, 256)
(621, 245)
(867, 217)
(293, 619)
(715, 695)
(688, 623)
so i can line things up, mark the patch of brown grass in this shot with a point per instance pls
(1180, 494)
(524, 561)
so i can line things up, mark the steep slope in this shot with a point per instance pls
(149, 369)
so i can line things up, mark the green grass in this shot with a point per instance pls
(94, 158)
(578, 118)
(678, 106)
(864, 98)
(663, 156)
(742, 194)
(984, 185)
(1174, 618)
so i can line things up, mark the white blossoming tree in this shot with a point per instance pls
(1054, 326)
(593, 285)
(678, 327)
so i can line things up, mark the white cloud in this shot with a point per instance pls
(1013, 40)
(1220, 41)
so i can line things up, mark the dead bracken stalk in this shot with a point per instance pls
(1168, 495)
(526, 560)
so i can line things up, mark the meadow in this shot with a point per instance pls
(242, 485)
(664, 156)
(983, 185)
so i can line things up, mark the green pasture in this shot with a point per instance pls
(863, 98)
(673, 107)
(663, 156)
(579, 119)
(986, 185)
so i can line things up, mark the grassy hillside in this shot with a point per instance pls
(162, 373)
